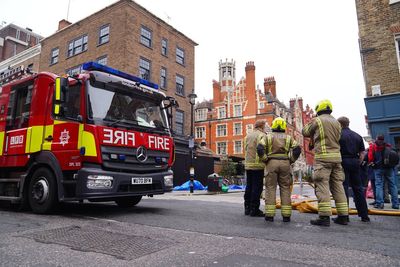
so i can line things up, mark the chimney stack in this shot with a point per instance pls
(63, 23)
(270, 86)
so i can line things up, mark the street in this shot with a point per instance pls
(178, 229)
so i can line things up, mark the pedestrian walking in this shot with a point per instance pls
(352, 151)
(324, 131)
(254, 171)
(376, 155)
(275, 150)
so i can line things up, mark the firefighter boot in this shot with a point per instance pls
(322, 221)
(343, 220)
(269, 218)
(255, 211)
(246, 209)
(286, 219)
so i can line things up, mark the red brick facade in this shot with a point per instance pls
(224, 121)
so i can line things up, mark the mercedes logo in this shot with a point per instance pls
(141, 154)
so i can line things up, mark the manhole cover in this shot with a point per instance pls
(94, 239)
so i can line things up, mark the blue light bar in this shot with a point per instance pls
(96, 66)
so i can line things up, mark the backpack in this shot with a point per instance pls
(390, 158)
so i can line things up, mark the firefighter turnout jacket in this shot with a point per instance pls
(252, 161)
(325, 132)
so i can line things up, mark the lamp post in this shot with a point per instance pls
(192, 101)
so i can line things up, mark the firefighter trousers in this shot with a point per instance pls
(278, 172)
(328, 178)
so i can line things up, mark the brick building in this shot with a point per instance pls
(379, 38)
(127, 37)
(18, 46)
(224, 121)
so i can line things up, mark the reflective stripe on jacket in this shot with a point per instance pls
(252, 161)
(277, 145)
(325, 132)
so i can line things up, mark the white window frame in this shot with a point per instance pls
(397, 43)
(180, 55)
(235, 151)
(55, 54)
(146, 37)
(261, 105)
(103, 60)
(145, 68)
(163, 78)
(219, 109)
(200, 132)
(217, 134)
(237, 113)
(201, 114)
(234, 128)
(249, 128)
(104, 34)
(218, 148)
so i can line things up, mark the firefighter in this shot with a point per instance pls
(325, 131)
(274, 149)
(254, 171)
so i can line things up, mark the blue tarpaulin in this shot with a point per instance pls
(196, 186)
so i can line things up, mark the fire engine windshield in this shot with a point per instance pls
(116, 106)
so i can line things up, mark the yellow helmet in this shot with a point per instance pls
(278, 124)
(323, 105)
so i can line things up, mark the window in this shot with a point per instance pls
(74, 70)
(238, 147)
(180, 56)
(102, 60)
(144, 68)
(72, 104)
(249, 128)
(19, 106)
(201, 114)
(104, 34)
(18, 33)
(145, 37)
(201, 132)
(78, 46)
(164, 47)
(221, 148)
(179, 116)
(54, 56)
(163, 78)
(28, 38)
(237, 111)
(221, 113)
(221, 130)
(180, 85)
(261, 105)
(237, 128)
(397, 39)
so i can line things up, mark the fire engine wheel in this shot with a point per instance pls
(126, 202)
(42, 192)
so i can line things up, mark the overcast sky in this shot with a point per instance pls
(310, 47)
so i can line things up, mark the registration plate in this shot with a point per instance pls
(140, 180)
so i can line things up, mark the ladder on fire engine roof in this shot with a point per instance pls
(14, 74)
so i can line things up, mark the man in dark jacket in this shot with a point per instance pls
(352, 151)
(375, 158)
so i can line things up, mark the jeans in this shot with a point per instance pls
(254, 187)
(380, 176)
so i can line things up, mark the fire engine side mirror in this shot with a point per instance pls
(60, 90)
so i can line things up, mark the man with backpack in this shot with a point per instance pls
(383, 160)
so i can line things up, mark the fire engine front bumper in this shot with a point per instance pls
(93, 183)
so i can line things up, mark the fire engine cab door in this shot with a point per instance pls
(66, 130)
(17, 139)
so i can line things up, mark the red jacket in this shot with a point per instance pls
(374, 147)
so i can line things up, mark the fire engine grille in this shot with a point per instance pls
(94, 239)
(124, 159)
(140, 187)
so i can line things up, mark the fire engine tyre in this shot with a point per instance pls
(42, 191)
(126, 202)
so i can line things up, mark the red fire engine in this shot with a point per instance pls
(102, 135)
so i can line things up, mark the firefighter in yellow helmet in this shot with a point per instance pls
(274, 149)
(324, 131)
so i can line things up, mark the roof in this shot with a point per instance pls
(134, 5)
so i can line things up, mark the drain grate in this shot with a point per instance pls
(93, 239)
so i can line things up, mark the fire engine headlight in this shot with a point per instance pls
(99, 181)
(169, 180)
